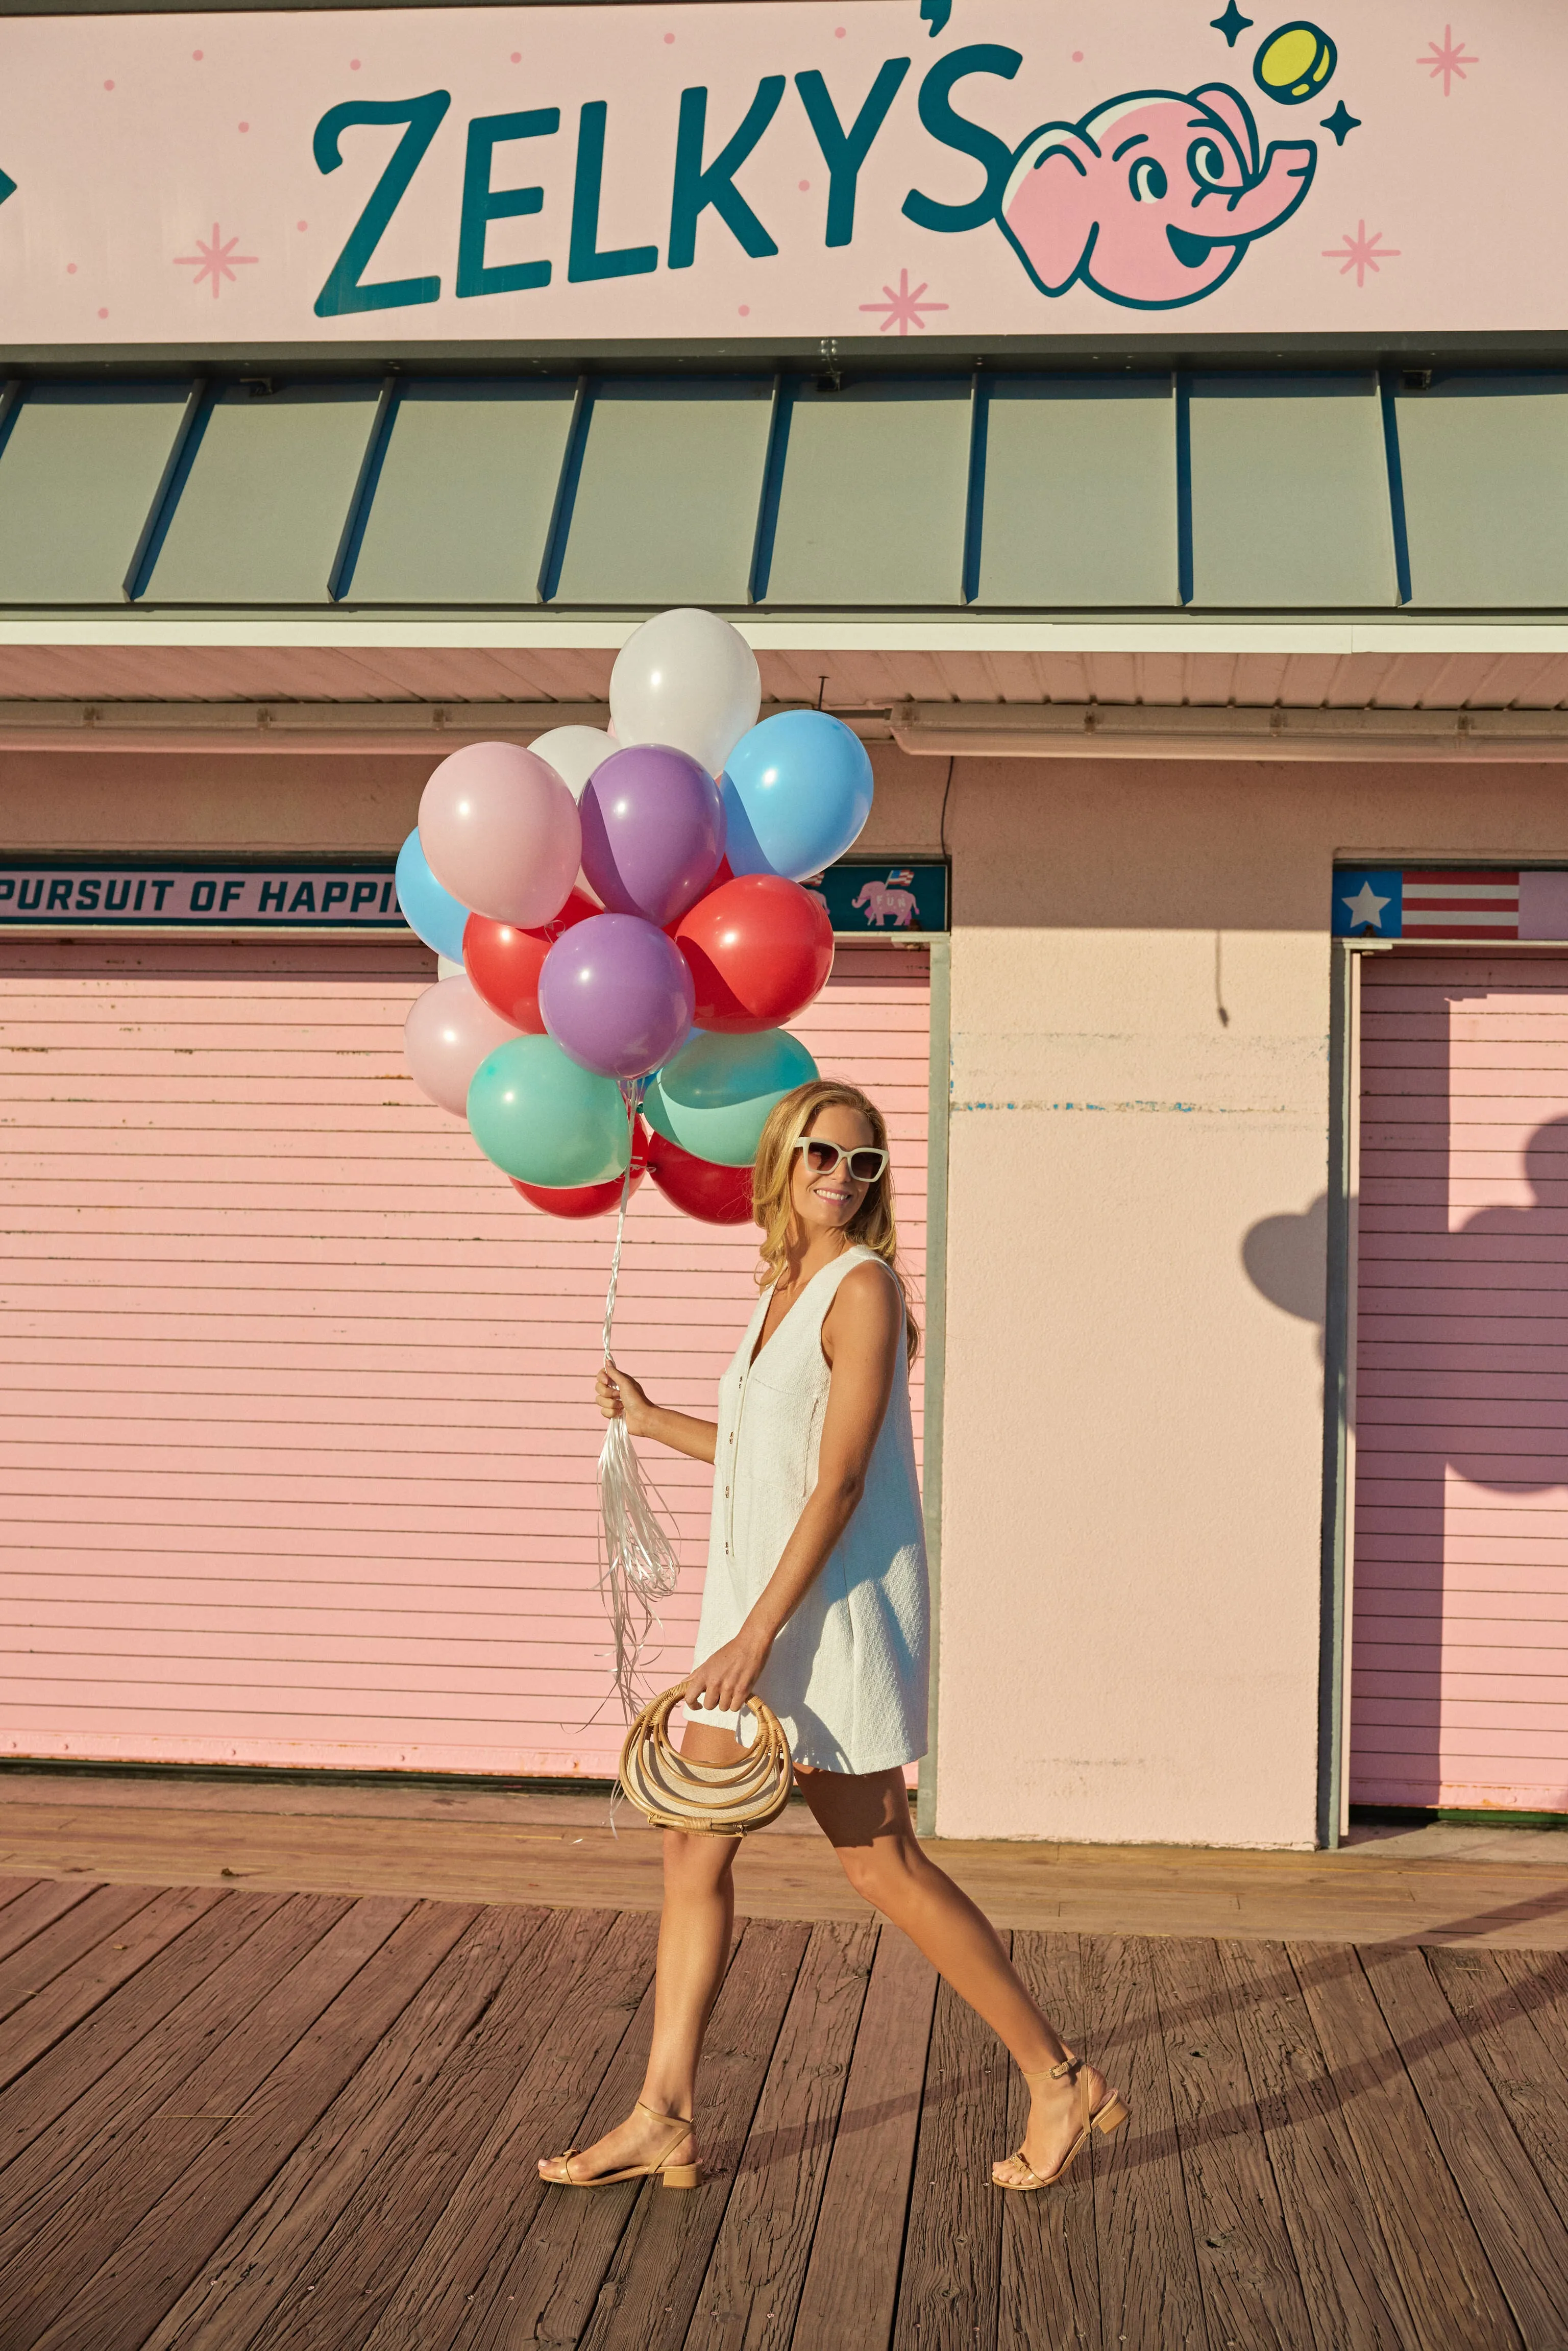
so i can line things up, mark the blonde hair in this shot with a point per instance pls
(873, 1228)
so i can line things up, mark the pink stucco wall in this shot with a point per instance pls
(1134, 1426)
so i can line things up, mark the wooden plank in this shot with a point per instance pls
(265, 2257)
(1449, 2288)
(113, 2109)
(494, 2210)
(1526, 2240)
(1050, 2257)
(1149, 2289)
(49, 2088)
(1501, 2014)
(541, 2282)
(651, 2289)
(38, 1907)
(1246, 2267)
(86, 2182)
(10, 1888)
(49, 1954)
(115, 2308)
(852, 2281)
(1539, 1981)
(949, 2291)
(1351, 2285)
(354, 2274)
(752, 2288)
(68, 1998)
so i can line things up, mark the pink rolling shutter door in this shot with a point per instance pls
(298, 1442)
(1460, 1655)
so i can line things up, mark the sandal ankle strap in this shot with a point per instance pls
(684, 2120)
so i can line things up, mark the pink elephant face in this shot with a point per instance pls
(1152, 199)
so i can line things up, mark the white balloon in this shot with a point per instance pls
(449, 1031)
(573, 752)
(447, 970)
(688, 679)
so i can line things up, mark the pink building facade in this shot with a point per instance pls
(1201, 599)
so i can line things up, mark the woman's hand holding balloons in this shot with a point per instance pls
(620, 1397)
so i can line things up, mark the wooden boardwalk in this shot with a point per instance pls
(231, 2118)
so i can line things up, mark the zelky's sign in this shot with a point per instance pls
(814, 168)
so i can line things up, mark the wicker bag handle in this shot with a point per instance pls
(706, 1799)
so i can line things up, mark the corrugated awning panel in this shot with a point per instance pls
(1290, 497)
(1485, 467)
(871, 495)
(664, 509)
(81, 470)
(260, 512)
(459, 507)
(1080, 494)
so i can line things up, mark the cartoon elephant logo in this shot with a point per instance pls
(1153, 198)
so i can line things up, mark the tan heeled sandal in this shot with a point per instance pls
(1107, 2117)
(674, 2175)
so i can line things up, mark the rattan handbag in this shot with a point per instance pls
(708, 1799)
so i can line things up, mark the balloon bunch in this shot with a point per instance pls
(627, 909)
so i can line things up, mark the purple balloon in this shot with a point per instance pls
(653, 831)
(616, 994)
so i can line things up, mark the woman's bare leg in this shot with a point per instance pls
(694, 1933)
(866, 1818)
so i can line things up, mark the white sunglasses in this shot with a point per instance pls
(825, 1159)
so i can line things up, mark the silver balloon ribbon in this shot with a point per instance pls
(639, 1563)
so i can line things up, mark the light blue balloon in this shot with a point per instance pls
(797, 792)
(432, 913)
(714, 1098)
(544, 1119)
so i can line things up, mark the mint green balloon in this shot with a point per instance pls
(545, 1120)
(714, 1098)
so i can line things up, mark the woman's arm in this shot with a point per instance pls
(860, 1338)
(619, 1395)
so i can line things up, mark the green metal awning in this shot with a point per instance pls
(1113, 495)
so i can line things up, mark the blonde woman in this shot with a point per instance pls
(816, 1600)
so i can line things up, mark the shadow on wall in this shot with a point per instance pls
(1286, 1258)
(1462, 1331)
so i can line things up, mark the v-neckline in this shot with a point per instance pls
(763, 1343)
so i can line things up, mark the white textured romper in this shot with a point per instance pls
(847, 1677)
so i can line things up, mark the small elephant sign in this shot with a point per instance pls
(1153, 198)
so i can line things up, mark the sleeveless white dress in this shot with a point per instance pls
(847, 1676)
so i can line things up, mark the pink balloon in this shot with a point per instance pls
(501, 831)
(449, 1031)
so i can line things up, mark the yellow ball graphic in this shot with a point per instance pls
(1294, 63)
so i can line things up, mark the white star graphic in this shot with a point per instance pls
(1366, 906)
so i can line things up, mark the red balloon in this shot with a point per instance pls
(718, 1195)
(504, 964)
(759, 949)
(586, 1199)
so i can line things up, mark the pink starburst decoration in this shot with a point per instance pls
(1450, 59)
(1361, 253)
(904, 308)
(216, 261)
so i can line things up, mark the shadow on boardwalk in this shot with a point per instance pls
(234, 2118)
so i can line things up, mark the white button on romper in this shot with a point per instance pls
(847, 1677)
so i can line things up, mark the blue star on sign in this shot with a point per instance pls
(1233, 24)
(1368, 902)
(1342, 121)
